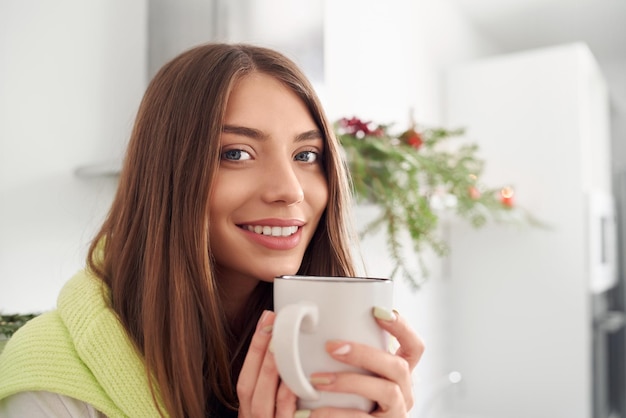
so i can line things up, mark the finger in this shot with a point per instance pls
(391, 367)
(253, 362)
(285, 402)
(411, 345)
(265, 392)
(387, 395)
(327, 412)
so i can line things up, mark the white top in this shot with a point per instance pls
(42, 404)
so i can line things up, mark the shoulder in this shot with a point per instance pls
(41, 358)
(40, 404)
(40, 336)
(38, 356)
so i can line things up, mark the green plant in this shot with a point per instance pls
(414, 176)
(11, 323)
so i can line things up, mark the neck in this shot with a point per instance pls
(235, 292)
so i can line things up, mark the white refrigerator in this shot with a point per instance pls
(520, 300)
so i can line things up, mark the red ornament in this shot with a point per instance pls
(506, 196)
(413, 138)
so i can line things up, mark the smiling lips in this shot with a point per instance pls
(275, 237)
(274, 231)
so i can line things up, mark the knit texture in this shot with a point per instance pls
(79, 350)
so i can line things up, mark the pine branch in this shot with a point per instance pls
(412, 177)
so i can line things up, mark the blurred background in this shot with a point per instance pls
(518, 321)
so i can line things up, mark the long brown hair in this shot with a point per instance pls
(156, 258)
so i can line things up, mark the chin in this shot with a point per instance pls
(269, 277)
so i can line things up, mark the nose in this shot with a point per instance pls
(282, 185)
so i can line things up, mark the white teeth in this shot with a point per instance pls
(274, 231)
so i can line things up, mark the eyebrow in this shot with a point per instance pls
(260, 135)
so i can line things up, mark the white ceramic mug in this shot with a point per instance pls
(311, 310)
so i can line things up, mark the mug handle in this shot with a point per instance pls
(292, 319)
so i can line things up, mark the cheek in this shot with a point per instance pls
(318, 195)
(226, 196)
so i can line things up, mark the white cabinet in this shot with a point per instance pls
(519, 313)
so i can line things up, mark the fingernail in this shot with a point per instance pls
(302, 413)
(321, 380)
(342, 350)
(384, 314)
(262, 318)
(266, 329)
(270, 347)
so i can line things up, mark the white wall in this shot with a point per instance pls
(71, 76)
(384, 58)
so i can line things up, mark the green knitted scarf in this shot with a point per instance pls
(79, 350)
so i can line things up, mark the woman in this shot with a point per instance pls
(232, 177)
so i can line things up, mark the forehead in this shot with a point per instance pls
(258, 85)
(262, 101)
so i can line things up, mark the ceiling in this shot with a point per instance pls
(515, 25)
(518, 25)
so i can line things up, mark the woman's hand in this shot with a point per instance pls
(259, 389)
(391, 388)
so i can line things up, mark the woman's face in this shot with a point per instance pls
(270, 190)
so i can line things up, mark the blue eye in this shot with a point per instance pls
(307, 156)
(235, 155)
